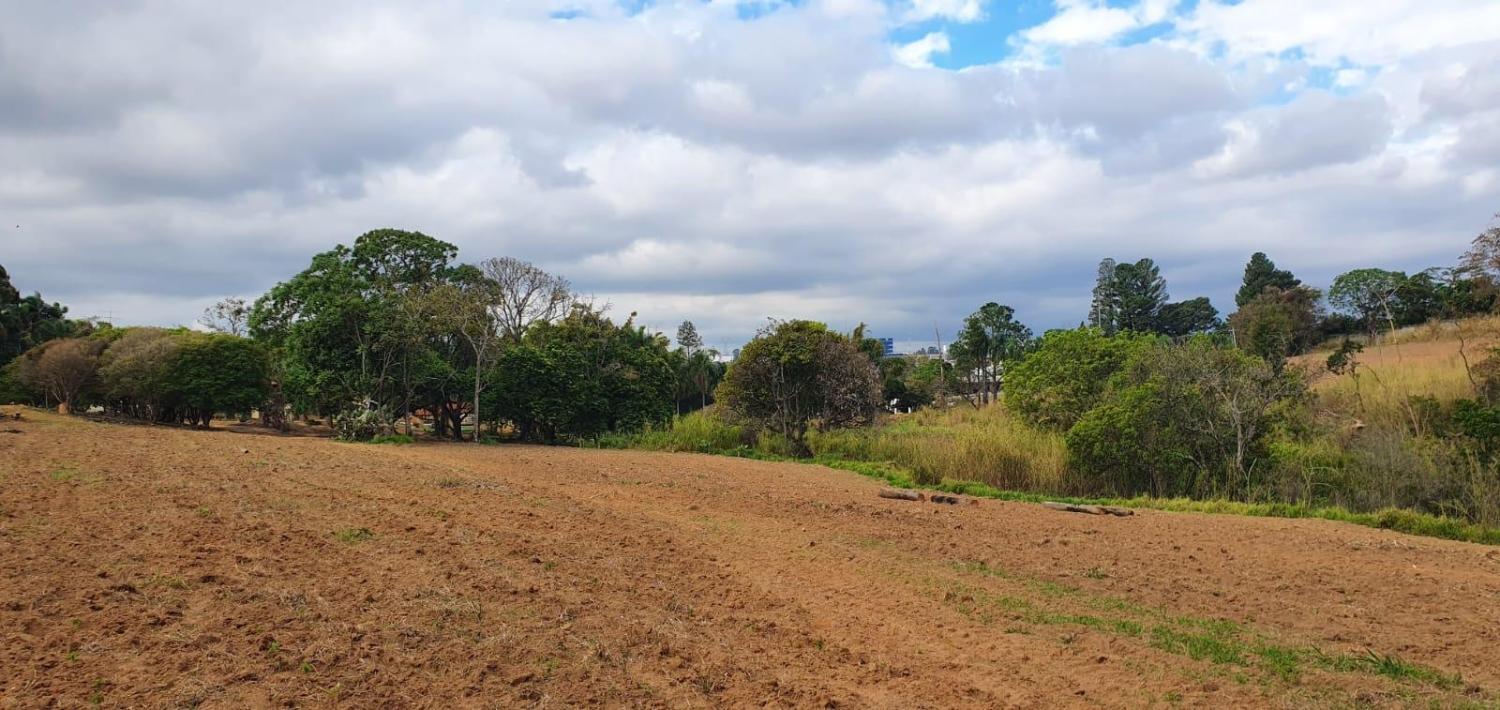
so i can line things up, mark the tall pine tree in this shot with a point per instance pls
(1260, 273)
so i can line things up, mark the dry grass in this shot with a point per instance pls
(987, 445)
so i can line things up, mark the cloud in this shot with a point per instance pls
(918, 54)
(958, 10)
(702, 161)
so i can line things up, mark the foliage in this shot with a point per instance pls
(1195, 315)
(1067, 374)
(1261, 273)
(1181, 420)
(217, 372)
(362, 424)
(1368, 294)
(61, 369)
(991, 338)
(338, 327)
(1278, 323)
(796, 374)
(29, 321)
(582, 377)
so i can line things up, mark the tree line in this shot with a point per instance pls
(371, 336)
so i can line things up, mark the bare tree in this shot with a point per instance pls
(524, 295)
(231, 315)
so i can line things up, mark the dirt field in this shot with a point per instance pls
(154, 567)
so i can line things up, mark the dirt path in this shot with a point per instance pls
(160, 567)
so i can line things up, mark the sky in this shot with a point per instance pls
(893, 162)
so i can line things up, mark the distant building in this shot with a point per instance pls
(887, 346)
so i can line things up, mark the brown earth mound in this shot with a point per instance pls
(153, 567)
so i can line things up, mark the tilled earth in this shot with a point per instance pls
(159, 567)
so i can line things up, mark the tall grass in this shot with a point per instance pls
(962, 443)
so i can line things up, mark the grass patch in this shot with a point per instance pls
(353, 535)
(1220, 642)
(393, 439)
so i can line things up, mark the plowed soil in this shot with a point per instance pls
(158, 567)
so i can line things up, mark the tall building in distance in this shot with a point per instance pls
(887, 346)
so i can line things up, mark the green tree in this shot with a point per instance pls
(1196, 315)
(991, 338)
(1261, 273)
(337, 328)
(796, 374)
(1066, 375)
(1186, 419)
(581, 377)
(688, 338)
(1104, 308)
(217, 372)
(1277, 324)
(28, 321)
(1141, 292)
(1368, 294)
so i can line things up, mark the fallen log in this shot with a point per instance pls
(1089, 509)
(901, 494)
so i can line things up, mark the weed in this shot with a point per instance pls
(1095, 573)
(393, 440)
(63, 475)
(353, 535)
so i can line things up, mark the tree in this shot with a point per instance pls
(134, 372)
(1369, 294)
(1260, 273)
(1103, 310)
(28, 321)
(1065, 376)
(468, 308)
(688, 338)
(525, 295)
(581, 377)
(217, 372)
(1277, 324)
(230, 316)
(991, 338)
(1178, 420)
(1182, 318)
(62, 369)
(1483, 256)
(336, 327)
(1140, 292)
(796, 374)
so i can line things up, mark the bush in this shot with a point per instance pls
(1067, 375)
(798, 374)
(362, 424)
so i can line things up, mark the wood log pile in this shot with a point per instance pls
(944, 499)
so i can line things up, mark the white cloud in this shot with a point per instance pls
(1365, 32)
(684, 163)
(958, 10)
(919, 53)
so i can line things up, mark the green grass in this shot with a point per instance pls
(394, 439)
(1220, 642)
(353, 535)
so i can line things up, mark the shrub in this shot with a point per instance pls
(362, 424)
(1067, 375)
(795, 374)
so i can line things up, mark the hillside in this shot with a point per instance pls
(153, 566)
